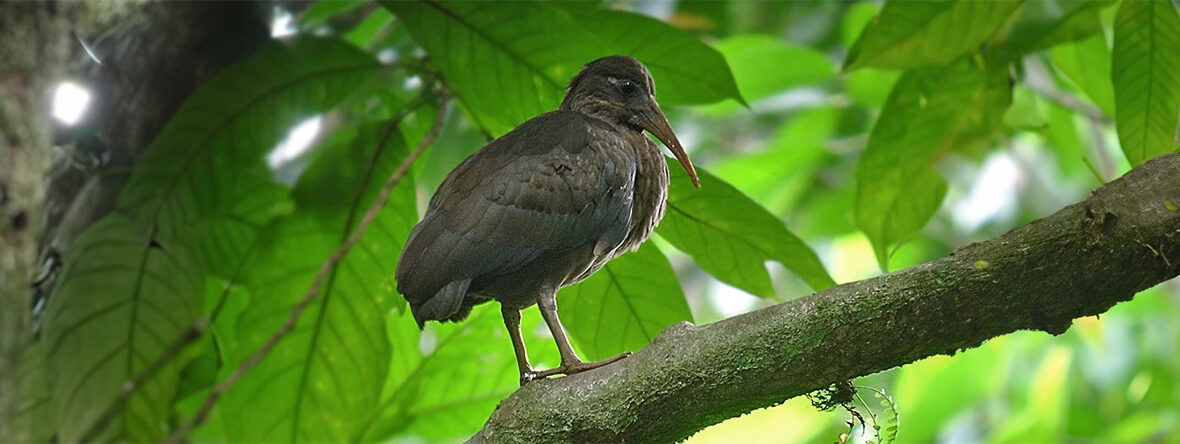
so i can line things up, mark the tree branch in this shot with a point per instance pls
(1077, 262)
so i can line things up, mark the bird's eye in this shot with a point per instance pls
(627, 87)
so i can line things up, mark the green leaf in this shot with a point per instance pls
(320, 12)
(923, 386)
(623, 306)
(870, 87)
(758, 67)
(123, 298)
(1062, 136)
(1045, 406)
(204, 173)
(686, 70)
(1087, 64)
(731, 236)
(224, 301)
(791, 152)
(1025, 112)
(888, 415)
(324, 379)
(32, 417)
(1045, 23)
(509, 62)
(913, 34)
(365, 33)
(856, 18)
(1146, 77)
(929, 112)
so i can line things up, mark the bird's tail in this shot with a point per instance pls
(443, 305)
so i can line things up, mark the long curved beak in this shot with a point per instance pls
(653, 121)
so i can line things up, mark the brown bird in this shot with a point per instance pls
(545, 206)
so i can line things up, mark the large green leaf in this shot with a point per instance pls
(510, 61)
(764, 65)
(781, 169)
(366, 33)
(204, 173)
(869, 87)
(732, 237)
(929, 112)
(685, 69)
(1087, 63)
(321, 12)
(1146, 77)
(925, 385)
(324, 379)
(1046, 23)
(912, 34)
(123, 297)
(467, 369)
(1063, 137)
(856, 18)
(1045, 405)
(624, 305)
(32, 417)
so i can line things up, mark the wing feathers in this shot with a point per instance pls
(547, 186)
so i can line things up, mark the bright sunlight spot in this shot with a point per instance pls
(850, 258)
(728, 300)
(69, 102)
(805, 422)
(413, 82)
(387, 56)
(283, 24)
(993, 194)
(298, 141)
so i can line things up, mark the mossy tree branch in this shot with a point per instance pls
(1077, 262)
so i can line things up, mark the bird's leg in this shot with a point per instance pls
(570, 363)
(512, 321)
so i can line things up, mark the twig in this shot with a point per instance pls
(1072, 103)
(325, 269)
(1158, 254)
(1094, 171)
(1105, 163)
(1042, 85)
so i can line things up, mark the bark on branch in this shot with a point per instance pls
(1078, 262)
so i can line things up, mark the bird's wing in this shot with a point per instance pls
(557, 182)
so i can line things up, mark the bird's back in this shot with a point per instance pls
(542, 206)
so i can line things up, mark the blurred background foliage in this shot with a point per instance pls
(839, 140)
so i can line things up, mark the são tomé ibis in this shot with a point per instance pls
(545, 206)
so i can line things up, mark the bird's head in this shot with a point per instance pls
(619, 89)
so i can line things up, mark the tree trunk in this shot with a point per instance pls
(56, 181)
(33, 42)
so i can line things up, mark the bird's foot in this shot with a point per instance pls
(568, 368)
